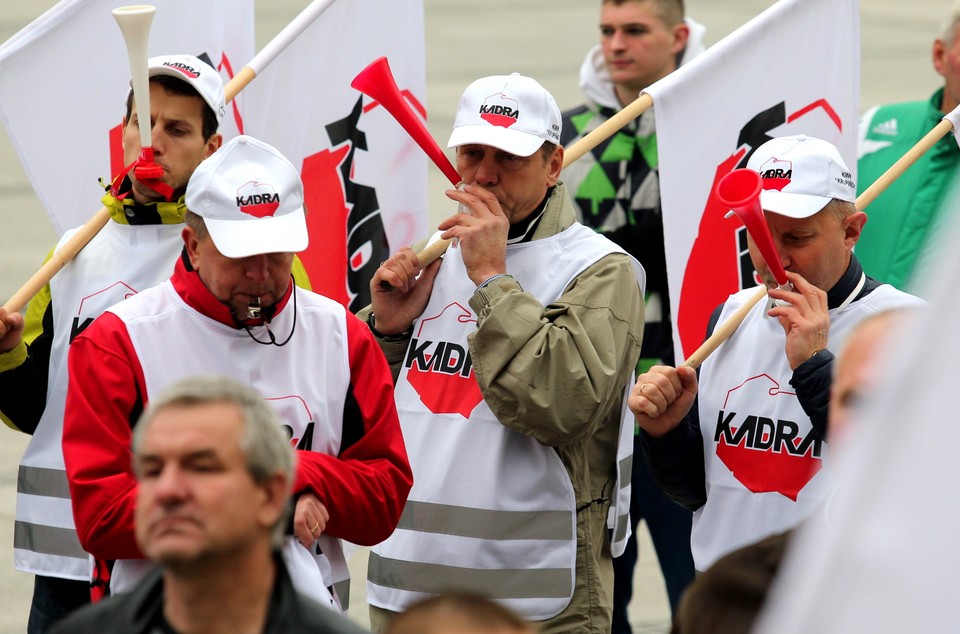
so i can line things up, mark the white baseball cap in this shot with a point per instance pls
(203, 77)
(800, 175)
(510, 112)
(250, 198)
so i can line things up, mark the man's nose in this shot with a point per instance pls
(169, 485)
(616, 39)
(783, 253)
(488, 172)
(158, 138)
(256, 267)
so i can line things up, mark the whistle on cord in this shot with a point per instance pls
(253, 308)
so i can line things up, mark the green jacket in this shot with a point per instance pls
(900, 220)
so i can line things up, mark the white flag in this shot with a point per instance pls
(365, 179)
(64, 78)
(794, 69)
(883, 556)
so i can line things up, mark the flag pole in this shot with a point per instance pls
(85, 233)
(276, 46)
(724, 330)
(607, 129)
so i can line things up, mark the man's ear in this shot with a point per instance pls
(212, 145)
(192, 246)
(853, 227)
(681, 33)
(555, 163)
(939, 53)
(276, 494)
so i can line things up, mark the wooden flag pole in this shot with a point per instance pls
(607, 129)
(724, 330)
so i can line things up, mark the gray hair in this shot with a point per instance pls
(950, 25)
(195, 221)
(263, 441)
(840, 208)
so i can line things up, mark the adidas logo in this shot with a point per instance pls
(885, 128)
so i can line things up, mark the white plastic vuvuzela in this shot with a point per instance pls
(134, 22)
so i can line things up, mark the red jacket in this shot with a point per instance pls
(364, 487)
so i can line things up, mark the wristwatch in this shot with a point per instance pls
(403, 336)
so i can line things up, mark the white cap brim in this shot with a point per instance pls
(792, 205)
(512, 141)
(245, 237)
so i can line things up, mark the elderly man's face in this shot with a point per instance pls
(197, 501)
(236, 281)
(518, 182)
(818, 247)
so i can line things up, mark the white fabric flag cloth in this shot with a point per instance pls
(365, 179)
(794, 69)
(307, 578)
(65, 76)
(883, 556)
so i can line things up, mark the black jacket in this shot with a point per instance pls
(140, 611)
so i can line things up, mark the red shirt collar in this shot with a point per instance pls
(188, 285)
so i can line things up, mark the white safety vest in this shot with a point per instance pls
(766, 470)
(117, 263)
(491, 509)
(305, 380)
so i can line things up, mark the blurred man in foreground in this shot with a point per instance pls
(215, 472)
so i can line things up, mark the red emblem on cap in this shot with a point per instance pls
(500, 110)
(776, 173)
(258, 199)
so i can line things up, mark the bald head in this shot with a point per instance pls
(458, 614)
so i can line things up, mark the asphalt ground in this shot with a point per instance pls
(545, 39)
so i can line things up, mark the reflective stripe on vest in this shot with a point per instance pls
(501, 583)
(119, 261)
(491, 510)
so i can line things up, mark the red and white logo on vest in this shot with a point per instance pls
(186, 69)
(776, 173)
(258, 199)
(297, 421)
(441, 372)
(500, 110)
(764, 454)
